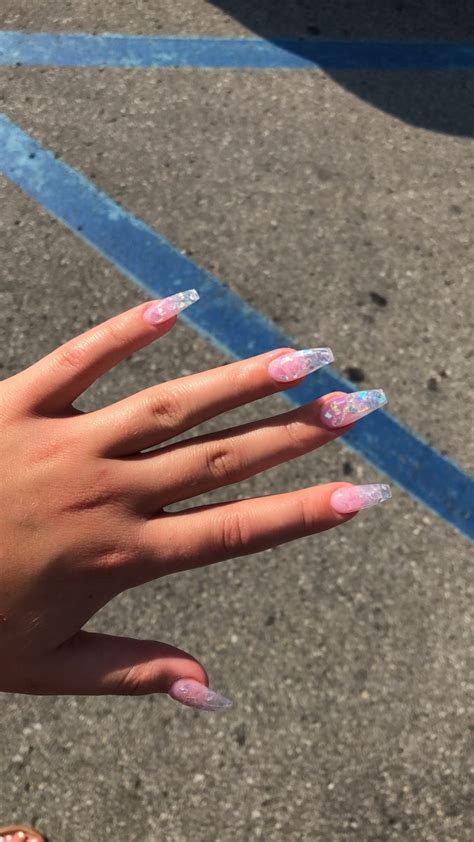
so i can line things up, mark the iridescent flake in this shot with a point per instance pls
(344, 409)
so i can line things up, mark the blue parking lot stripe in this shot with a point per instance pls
(222, 316)
(82, 49)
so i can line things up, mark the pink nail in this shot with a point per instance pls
(297, 364)
(353, 498)
(164, 309)
(196, 695)
(345, 409)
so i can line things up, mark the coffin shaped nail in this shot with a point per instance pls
(345, 409)
(197, 695)
(297, 364)
(353, 498)
(164, 309)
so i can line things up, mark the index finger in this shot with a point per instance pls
(54, 382)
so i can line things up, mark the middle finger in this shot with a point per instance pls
(207, 462)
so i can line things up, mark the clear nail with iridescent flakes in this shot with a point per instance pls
(353, 498)
(196, 695)
(297, 364)
(345, 409)
(164, 309)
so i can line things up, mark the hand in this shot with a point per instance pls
(83, 508)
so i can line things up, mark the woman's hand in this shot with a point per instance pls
(83, 508)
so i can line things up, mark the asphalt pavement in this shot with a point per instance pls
(347, 219)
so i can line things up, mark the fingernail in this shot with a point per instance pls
(343, 410)
(298, 364)
(197, 695)
(353, 498)
(166, 308)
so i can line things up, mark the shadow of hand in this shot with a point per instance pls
(441, 101)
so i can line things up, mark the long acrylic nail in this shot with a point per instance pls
(353, 498)
(343, 410)
(166, 308)
(196, 695)
(297, 364)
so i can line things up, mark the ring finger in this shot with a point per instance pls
(176, 541)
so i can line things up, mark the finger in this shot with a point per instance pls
(25, 834)
(162, 412)
(53, 383)
(20, 833)
(208, 534)
(208, 462)
(98, 664)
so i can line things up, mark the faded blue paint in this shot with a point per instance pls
(84, 50)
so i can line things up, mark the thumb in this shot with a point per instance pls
(100, 664)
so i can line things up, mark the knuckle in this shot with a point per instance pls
(95, 492)
(130, 682)
(241, 374)
(71, 356)
(222, 463)
(297, 435)
(91, 499)
(307, 514)
(120, 567)
(115, 333)
(57, 442)
(234, 534)
(12, 392)
(79, 351)
(165, 411)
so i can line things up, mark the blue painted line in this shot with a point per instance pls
(84, 50)
(223, 317)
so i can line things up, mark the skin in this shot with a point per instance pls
(84, 510)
